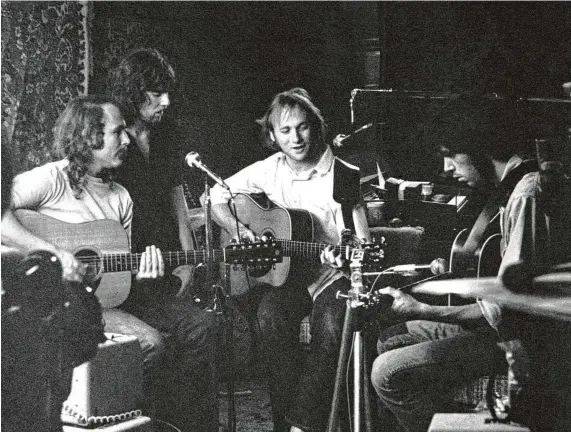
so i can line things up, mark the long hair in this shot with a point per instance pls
(295, 97)
(79, 131)
(485, 131)
(142, 70)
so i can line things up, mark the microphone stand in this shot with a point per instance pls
(352, 333)
(220, 305)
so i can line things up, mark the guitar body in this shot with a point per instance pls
(489, 256)
(103, 237)
(483, 262)
(275, 222)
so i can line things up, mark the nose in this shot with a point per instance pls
(165, 100)
(125, 140)
(295, 136)
(449, 165)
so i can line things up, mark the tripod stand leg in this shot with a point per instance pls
(366, 388)
(357, 366)
(346, 339)
(230, 354)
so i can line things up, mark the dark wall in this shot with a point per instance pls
(521, 48)
(232, 57)
(515, 49)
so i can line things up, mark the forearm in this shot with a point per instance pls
(361, 226)
(183, 219)
(225, 219)
(14, 234)
(467, 315)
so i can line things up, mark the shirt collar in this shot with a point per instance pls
(325, 163)
(511, 164)
(322, 167)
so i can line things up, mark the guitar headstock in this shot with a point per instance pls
(369, 255)
(258, 255)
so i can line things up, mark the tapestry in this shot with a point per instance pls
(44, 65)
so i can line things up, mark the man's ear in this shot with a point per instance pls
(272, 136)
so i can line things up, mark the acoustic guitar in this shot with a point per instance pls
(104, 247)
(483, 262)
(293, 232)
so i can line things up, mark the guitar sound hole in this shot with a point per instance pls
(92, 260)
(258, 271)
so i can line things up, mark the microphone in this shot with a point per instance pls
(193, 161)
(338, 141)
(437, 267)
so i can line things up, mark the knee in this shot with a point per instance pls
(386, 373)
(330, 324)
(202, 329)
(153, 347)
(269, 316)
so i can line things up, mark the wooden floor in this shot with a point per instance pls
(252, 405)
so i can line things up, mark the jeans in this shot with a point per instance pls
(301, 383)
(421, 363)
(179, 342)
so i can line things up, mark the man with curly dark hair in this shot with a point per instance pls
(184, 382)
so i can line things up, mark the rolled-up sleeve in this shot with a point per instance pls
(524, 232)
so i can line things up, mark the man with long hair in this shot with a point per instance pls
(436, 349)
(91, 140)
(184, 384)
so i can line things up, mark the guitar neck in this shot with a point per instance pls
(307, 249)
(117, 262)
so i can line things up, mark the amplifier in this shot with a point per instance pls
(108, 388)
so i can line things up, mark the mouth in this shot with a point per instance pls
(298, 148)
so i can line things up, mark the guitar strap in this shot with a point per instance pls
(346, 189)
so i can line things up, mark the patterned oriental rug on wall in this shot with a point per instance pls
(45, 62)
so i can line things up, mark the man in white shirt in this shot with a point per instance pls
(300, 175)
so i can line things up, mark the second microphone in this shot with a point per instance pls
(193, 161)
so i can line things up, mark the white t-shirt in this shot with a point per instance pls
(46, 189)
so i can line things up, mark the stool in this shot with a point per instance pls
(455, 422)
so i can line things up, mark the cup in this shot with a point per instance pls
(375, 213)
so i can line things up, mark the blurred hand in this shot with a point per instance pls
(244, 235)
(338, 140)
(331, 258)
(152, 265)
(72, 269)
(403, 304)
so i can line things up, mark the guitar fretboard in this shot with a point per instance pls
(307, 249)
(117, 262)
